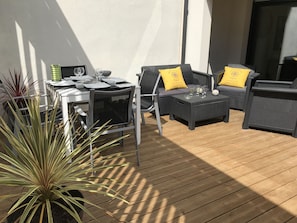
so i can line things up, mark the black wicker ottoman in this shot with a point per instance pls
(199, 109)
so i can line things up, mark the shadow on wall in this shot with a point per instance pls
(42, 36)
(96, 33)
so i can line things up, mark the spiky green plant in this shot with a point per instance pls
(15, 85)
(35, 159)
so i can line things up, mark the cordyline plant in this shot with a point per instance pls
(35, 159)
(15, 85)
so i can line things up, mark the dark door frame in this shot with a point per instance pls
(250, 50)
(184, 31)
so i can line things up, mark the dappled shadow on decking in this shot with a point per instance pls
(211, 174)
(216, 173)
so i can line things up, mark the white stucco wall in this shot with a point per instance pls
(110, 34)
(198, 35)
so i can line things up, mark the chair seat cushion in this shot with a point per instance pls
(235, 77)
(232, 90)
(164, 93)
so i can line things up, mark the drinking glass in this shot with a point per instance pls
(199, 90)
(98, 74)
(204, 91)
(192, 91)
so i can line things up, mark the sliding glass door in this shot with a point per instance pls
(273, 39)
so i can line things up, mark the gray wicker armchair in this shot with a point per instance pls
(272, 106)
(238, 96)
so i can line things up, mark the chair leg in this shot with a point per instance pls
(91, 156)
(157, 113)
(136, 148)
(122, 140)
(142, 118)
(137, 155)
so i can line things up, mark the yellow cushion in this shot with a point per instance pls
(173, 78)
(235, 77)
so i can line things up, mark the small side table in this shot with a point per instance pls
(199, 109)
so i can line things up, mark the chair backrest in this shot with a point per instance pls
(186, 70)
(114, 106)
(45, 104)
(148, 83)
(219, 75)
(68, 71)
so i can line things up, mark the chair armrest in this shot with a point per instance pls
(251, 80)
(217, 76)
(27, 98)
(195, 72)
(254, 75)
(272, 83)
(79, 111)
(82, 117)
(202, 78)
(148, 95)
(138, 75)
(289, 93)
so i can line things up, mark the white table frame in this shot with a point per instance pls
(70, 95)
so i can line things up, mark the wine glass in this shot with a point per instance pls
(204, 91)
(79, 71)
(199, 90)
(98, 74)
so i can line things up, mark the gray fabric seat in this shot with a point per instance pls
(238, 96)
(272, 106)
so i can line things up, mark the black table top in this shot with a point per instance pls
(198, 99)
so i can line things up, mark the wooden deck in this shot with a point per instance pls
(215, 173)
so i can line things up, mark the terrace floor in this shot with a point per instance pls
(215, 173)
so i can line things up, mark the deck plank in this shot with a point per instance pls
(215, 173)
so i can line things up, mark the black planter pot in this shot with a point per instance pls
(59, 215)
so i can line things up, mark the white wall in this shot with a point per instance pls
(110, 34)
(198, 34)
(289, 46)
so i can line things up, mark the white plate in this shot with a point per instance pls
(113, 80)
(62, 83)
(123, 85)
(81, 78)
(97, 85)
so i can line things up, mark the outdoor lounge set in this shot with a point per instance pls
(268, 105)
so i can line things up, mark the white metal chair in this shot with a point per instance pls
(148, 82)
(114, 107)
(46, 105)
